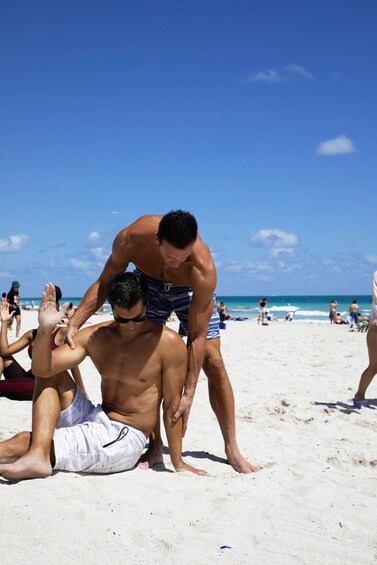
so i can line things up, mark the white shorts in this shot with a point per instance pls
(373, 315)
(87, 440)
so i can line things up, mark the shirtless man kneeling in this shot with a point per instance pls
(140, 363)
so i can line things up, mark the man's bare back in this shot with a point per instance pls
(137, 244)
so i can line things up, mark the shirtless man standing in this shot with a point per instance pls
(182, 278)
(332, 310)
(140, 363)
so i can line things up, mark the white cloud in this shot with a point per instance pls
(99, 254)
(248, 267)
(371, 259)
(14, 243)
(262, 271)
(269, 75)
(278, 242)
(298, 71)
(337, 146)
(93, 236)
(80, 265)
(291, 73)
(277, 252)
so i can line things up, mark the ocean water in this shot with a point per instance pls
(305, 308)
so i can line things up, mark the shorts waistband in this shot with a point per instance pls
(166, 286)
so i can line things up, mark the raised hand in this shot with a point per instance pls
(48, 315)
(5, 314)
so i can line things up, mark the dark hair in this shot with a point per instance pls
(126, 289)
(58, 293)
(4, 295)
(179, 228)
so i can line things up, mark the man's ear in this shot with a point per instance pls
(156, 239)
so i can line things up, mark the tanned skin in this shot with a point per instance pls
(140, 363)
(192, 267)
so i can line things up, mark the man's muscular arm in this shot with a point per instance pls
(174, 357)
(200, 312)
(95, 296)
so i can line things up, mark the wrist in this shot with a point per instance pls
(177, 464)
(189, 392)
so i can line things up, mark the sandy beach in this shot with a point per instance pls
(313, 502)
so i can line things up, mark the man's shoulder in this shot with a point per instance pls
(171, 339)
(141, 230)
(92, 331)
(143, 224)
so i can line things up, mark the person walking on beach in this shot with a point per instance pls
(262, 311)
(367, 376)
(140, 362)
(182, 278)
(332, 310)
(13, 298)
(354, 312)
(19, 384)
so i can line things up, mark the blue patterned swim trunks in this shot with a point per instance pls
(165, 298)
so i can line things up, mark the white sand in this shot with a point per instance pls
(313, 502)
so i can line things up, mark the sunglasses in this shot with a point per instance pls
(119, 320)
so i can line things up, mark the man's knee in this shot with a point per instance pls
(62, 383)
(213, 363)
(373, 367)
(23, 438)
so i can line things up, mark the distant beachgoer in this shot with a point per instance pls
(363, 325)
(332, 310)
(270, 317)
(223, 312)
(4, 300)
(366, 378)
(262, 311)
(354, 311)
(13, 298)
(338, 319)
(141, 363)
(19, 384)
(289, 316)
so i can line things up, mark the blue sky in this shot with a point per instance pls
(259, 118)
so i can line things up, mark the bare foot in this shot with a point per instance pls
(27, 467)
(239, 463)
(185, 467)
(153, 456)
